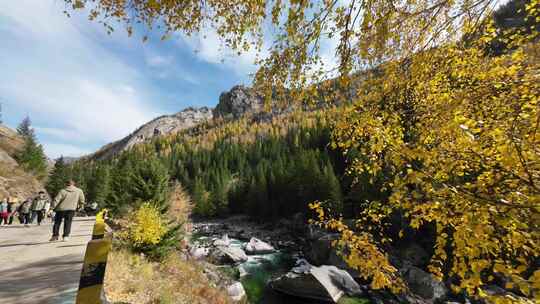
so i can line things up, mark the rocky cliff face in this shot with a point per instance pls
(162, 125)
(238, 101)
(14, 182)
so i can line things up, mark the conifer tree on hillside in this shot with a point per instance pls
(118, 199)
(149, 182)
(203, 205)
(99, 185)
(31, 157)
(25, 128)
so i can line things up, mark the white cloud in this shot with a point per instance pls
(63, 134)
(55, 150)
(209, 47)
(74, 89)
(158, 60)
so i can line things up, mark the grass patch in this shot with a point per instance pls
(348, 300)
(132, 278)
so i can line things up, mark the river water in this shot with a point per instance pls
(260, 269)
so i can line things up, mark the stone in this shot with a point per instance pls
(336, 260)
(198, 253)
(321, 248)
(324, 283)
(237, 102)
(7, 160)
(224, 241)
(494, 290)
(242, 271)
(236, 291)
(228, 255)
(212, 275)
(256, 246)
(424, 284)
(414, 254)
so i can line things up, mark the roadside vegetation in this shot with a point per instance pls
(439, 140)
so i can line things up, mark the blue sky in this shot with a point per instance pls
(83, 88)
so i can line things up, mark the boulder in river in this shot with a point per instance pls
(224, 241)
(424, 284)
(199, 252)
(236, 291)
(256, 246)
(324, 283)
(228, 255)
(321, 249)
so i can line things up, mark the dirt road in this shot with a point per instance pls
(34, 270)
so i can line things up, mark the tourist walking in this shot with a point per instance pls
(4, 214)
(38, 207)
(47, 210)
(65, 203)
(12, 208)
(25, 210)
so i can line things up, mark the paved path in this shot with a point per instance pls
(35, 271)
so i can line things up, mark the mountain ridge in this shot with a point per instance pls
(234, 103)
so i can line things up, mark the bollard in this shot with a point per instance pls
(95, 262)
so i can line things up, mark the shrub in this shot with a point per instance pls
(146, 227)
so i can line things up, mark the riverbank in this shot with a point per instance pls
(256, 270)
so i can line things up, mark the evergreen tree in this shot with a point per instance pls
(31, 157)
(118, 199)
(203, 205)
(58, 177)
(99, 185)
(149, 182)
(25, 128)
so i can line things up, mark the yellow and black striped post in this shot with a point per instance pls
(95, 262)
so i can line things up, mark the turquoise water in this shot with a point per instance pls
(260, 269)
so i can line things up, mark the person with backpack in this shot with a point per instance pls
(25, 210)
(65, 204)
(38, 207)
(13, 204)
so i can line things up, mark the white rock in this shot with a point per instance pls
(256, 246)
(223, 255)
(242, 272)
(324, 283)
(236, 291)
(199, 252)
(224, 241)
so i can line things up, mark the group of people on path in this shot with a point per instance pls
(62, 209)
(26, 212)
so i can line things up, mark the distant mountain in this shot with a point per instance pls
(166, 124)
(14, 181)
(232, 104)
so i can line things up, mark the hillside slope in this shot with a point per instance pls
(232, 104)
(14, 182)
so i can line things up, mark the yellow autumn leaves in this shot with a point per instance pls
(146, 226)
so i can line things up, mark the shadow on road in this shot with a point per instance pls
(51, 276)
(23, 244)
(66, 246)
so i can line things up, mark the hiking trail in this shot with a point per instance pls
(34, 270)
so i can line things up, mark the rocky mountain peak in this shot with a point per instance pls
(166, 124)
(237, 102)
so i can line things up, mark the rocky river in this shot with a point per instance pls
(269, 264)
